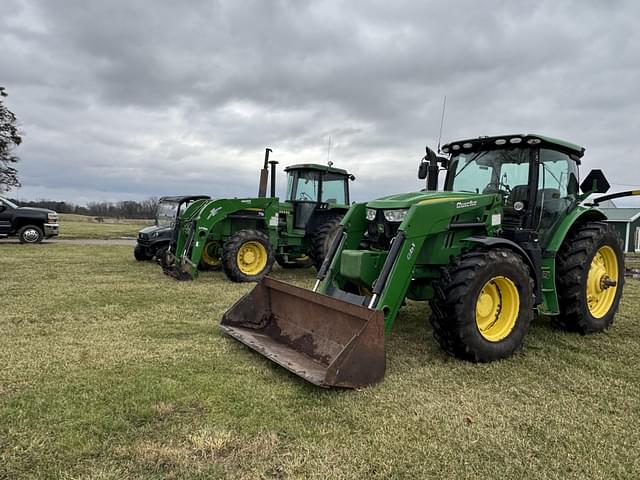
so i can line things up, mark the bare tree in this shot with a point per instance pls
(9, 139)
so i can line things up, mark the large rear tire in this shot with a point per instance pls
(483, 306)
(247, 256)
(589, 278)
(322, 238)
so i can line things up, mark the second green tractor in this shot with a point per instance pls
(245, 236)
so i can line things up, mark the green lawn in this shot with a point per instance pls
(81, 226)
(111, 370)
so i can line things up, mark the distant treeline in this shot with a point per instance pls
(126, 209)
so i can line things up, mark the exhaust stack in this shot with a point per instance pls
(264, 175)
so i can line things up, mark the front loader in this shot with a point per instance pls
(245, 236)
(510, 235)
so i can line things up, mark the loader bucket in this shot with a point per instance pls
(326, 341)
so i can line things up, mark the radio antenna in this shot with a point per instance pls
(329, 153)
(444, 106)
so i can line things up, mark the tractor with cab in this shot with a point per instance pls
(246, 236)
(512, 234)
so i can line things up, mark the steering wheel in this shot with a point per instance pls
(304, 196)
(497, 187)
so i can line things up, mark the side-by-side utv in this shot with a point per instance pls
(510, 235)
(154, 241)
(245, 236)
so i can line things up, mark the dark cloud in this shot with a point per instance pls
(130, 99)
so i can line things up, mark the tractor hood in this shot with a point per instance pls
(406, 200)
(158, 230)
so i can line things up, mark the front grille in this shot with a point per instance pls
(380, 232)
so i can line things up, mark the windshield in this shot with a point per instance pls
(489, 171)
(166, 213)
(8, 203)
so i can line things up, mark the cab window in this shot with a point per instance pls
(334, 189)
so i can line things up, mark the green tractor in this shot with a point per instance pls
(245, 236)
(510, 236)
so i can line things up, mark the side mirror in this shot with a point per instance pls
(595, 182)
(422, 170)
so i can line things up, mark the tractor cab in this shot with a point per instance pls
(536, 176)
(312, 187)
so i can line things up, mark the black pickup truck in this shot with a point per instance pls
(31, 225)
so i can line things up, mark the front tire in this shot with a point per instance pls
(590, 278)
(30, 234)
(483, 306)
(139, 253)
(210, 260)
(247, 256)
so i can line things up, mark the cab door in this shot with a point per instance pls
(6, 213)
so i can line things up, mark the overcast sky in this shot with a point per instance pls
(126, 99)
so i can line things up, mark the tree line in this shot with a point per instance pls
(126, 209)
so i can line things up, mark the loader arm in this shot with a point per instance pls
(417, 245)
(198, 223)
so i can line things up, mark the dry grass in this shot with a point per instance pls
(82, 226)
(112, 370)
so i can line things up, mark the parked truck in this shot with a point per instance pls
(30, 225)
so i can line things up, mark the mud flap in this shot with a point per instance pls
(326, 341)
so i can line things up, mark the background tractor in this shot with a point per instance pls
(245, 236)
(510, 235)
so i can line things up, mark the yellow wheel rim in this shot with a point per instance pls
(497, 308)
(602, 282)
(209, 255)
(252, 258)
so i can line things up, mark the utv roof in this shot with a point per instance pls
(183, 198)
(514, 140)
(315, 166)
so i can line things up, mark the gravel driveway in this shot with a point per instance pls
(76, 241)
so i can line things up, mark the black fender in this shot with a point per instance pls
(532, 257)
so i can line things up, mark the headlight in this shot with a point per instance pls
(154, 235)
(371, 214)
(395, 215)
(52, 217)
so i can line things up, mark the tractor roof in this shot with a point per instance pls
(315, 166)
(515, 140)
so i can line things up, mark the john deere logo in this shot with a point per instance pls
(214, 212)
(470, 203)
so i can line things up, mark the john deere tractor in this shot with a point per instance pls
(510, 236)
(245, 236)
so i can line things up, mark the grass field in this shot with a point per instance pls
(81, 226)
(111, 370)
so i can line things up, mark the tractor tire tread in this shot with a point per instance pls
(450, 305)
(230, 251)
(321, 237)
(573, 263)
